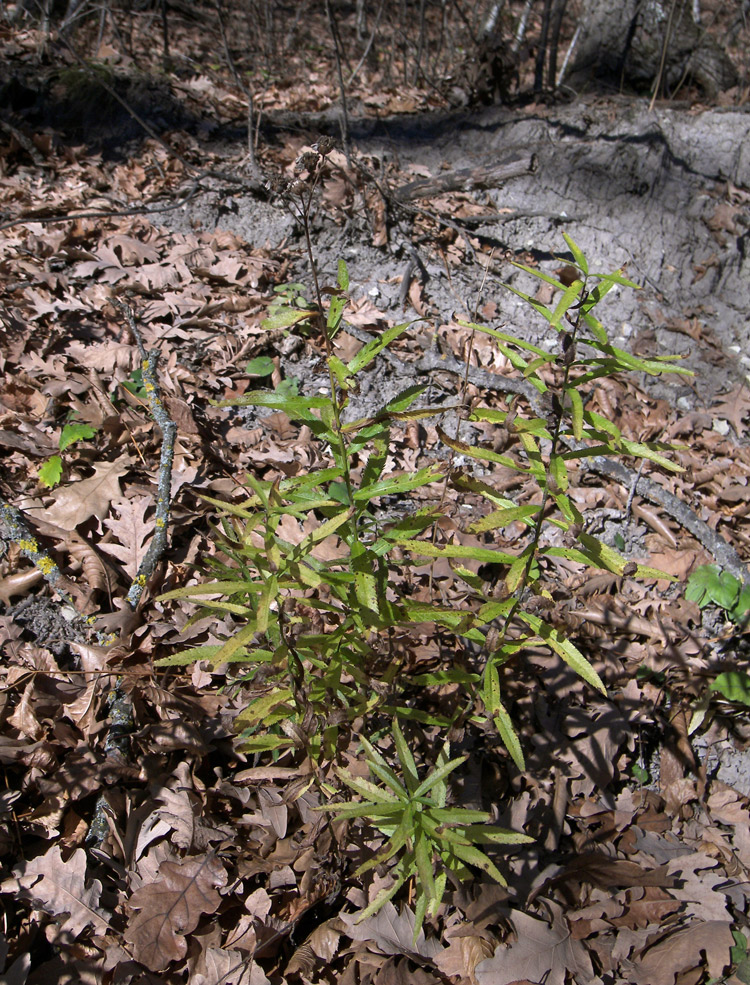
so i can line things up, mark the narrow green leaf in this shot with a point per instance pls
(576, 403)
(477, 451)
(472, 855)
(394, 485)
(408, 765)
(369, 351)
(578, 255)
(264, 743)
(438, 775)
(565, 649)
(259, 709)
(342, 373)
(285, 318)
(559, 472)
(427, 549)
(503, 518)
(496, 710)
(570, 296)
(423, 857)
(458, 815)
(643, 450)
(367, 789)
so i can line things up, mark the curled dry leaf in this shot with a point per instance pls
(171, 908)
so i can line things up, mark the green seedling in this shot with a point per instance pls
(51, 471)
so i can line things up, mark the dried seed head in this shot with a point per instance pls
(306, 162)
(324, 146)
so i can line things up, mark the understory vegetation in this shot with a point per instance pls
(345, 640)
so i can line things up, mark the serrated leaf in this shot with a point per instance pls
(51, 472)
(71, 433)
(369, 351)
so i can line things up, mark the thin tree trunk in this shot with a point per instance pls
(542, 49)
(557, 16)
(521, 29)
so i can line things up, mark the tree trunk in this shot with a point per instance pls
(624, 43)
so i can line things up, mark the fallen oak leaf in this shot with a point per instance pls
(662, 962)
(171, 907)
(78, 501)
(132, 531)
(542, 953)
(59, 888)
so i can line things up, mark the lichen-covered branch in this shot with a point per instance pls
(13, 527)
(169, 433)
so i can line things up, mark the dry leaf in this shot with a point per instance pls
(661, 963)
(171, 907)
(132, 531)
(78, 501)
(59, 887)
(542, 952)
(392, 932)
(222, 967)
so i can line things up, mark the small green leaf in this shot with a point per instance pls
(51, 472)
(260, 366)
(706, 584)
(71, 433)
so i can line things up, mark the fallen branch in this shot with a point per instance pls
(13, 528)
(169, 432)
(467, 179)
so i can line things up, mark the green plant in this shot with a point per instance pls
(420, 827)
(50, 473)
(708, 584)
(318, 578)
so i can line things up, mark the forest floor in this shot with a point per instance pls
(211, 865)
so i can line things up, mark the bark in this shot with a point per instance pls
(624, 43)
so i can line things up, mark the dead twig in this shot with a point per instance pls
(169, 432)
